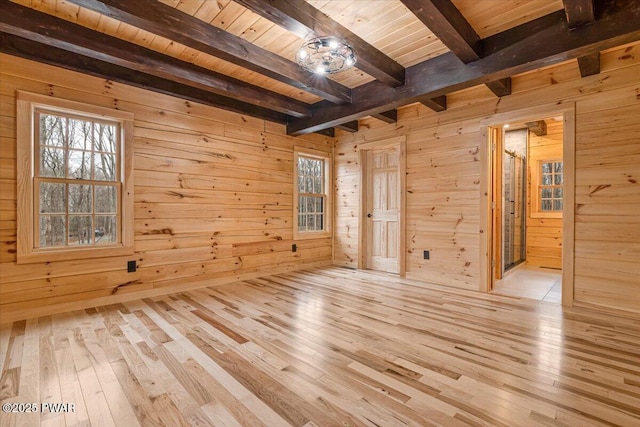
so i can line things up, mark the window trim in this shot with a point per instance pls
(328, 211)
(27, 104)
(536, 196)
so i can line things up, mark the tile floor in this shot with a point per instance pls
(525, 281)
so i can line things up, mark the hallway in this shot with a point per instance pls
(524, 281)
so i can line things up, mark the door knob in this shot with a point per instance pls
(369, 215)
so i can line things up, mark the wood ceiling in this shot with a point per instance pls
(239, 55)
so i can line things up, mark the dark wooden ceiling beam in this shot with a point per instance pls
(390, 116)
(448, 24)
(18, 46)
(437, 104)
(538, 127)
(351, 126)
(43, 28)
(303, 19)
(330, 132)
(500, 87)
(542, 42)
(171, 23)
(579, 12)
(589, 64)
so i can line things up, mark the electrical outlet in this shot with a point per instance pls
(425, 254)
(131, 266)
(294, 247)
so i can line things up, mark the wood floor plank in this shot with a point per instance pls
(97, 407)
(326, 347)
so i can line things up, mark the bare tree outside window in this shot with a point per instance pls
(311, 194)
(550, 186)
(77, 177)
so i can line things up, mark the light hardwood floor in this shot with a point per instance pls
(326, 347)
(526, 281)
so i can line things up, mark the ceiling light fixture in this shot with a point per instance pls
(326, 55)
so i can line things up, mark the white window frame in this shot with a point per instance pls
(328, 203)
(536, 194)
(27, 217)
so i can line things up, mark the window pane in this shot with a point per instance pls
(557, 205)
(547, 179)
(308, 184)
(80, 198)
(311, 204)
(52, 230)
(104, 137)
(52, 130)
(52, 198)
(79, 164)
(558, 179)
(546, 193)
(51, 162)
(79, 134)
(557, 167)
(106, 229)
(105, 165)
(557, 193)
(311, 182)
(546, 205)
(106, 199)
(546, 167)
(80, 230)
(73, 152)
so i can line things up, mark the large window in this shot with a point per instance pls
(312, 216)
(74, 198)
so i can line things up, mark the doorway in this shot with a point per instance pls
(529, 210)
(382, 239)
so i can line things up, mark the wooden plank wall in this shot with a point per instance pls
(213, 199)
(544, 235)
(443, 178)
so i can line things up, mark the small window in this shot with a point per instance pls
(75, 200)
(311, 195)
(549, 189)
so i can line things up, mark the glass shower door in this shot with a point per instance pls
(514, 184)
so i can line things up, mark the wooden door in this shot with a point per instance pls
(383, 209)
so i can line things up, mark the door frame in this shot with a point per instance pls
(401, 143)
(566, 110)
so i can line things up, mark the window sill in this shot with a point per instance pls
(73, 254)
(312, 235)
(557, 215)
